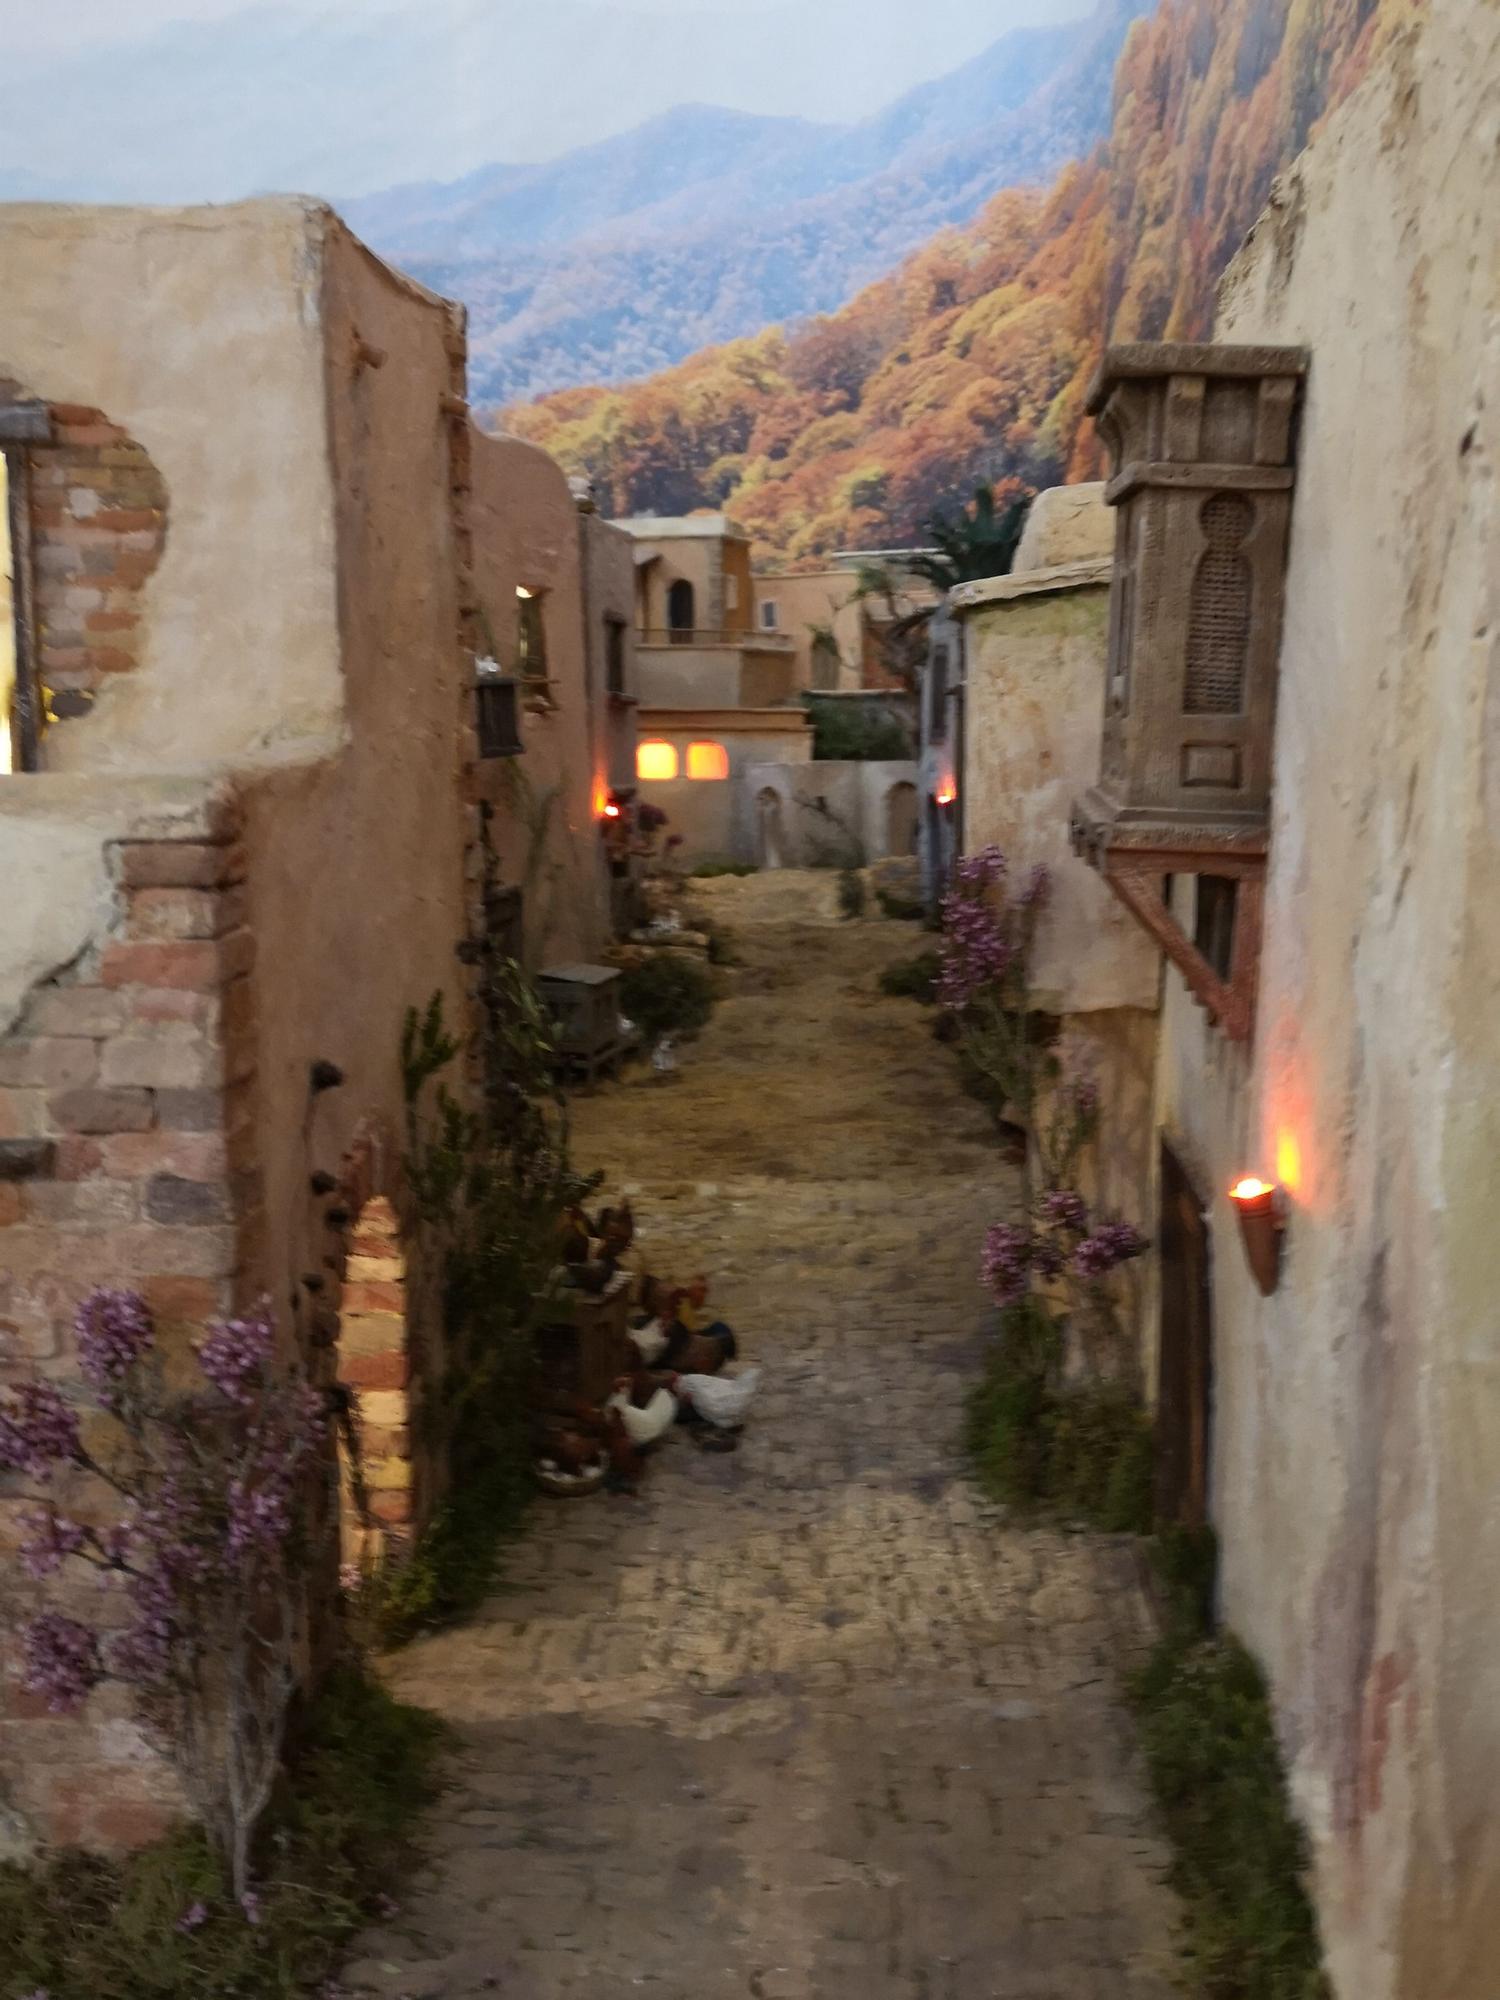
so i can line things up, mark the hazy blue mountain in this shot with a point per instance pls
(343, 96)
(704, 224)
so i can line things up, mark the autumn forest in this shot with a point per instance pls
(971, 360)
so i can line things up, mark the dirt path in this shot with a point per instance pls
(807, 1722)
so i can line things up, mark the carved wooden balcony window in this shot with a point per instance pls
(1202, 441)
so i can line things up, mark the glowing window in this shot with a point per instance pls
(655, 762)
(707, 760)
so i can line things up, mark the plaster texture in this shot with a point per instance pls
(1357, 1410)
(526, 529)
(1034, 654)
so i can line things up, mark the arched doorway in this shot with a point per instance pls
(682, 611)
(902, 819)
(770, 834)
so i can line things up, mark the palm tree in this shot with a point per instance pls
(981, 542)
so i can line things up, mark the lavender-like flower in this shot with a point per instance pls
(38, 1431)
(250, 1904)
(234, 1355)
(1112, 1244)
(52, 1538)
(980, 871)
(193, 1918)
(114, 1330)
(62, 1662)
(1006, 1264)
(1064, 1208)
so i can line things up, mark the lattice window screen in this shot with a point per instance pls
(1219, 621)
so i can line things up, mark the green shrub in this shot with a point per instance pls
(851, 731)
(80, 1927)
(1079, 1453)
(706, 871)
(914, 978)
(1240, 1857)
(666, 995)
(904, 909)
(851, 893)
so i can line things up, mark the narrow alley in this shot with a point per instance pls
(808, 1721)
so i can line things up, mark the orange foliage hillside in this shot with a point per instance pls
(971, 359)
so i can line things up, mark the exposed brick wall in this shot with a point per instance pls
(376, 1359)
(125, 1159)
(99, 526)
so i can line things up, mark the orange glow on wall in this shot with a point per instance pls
(707, 760)
(1289, 1162)
(655, 763)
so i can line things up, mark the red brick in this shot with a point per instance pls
(179, 864)
(111, 621)
(177, 913)
(73, 414)
(121, 520)
(111, 659)
(10, 1204)
(392, 1508)
(186, 1061)
(48, 1062)
(191, 1156)
(374, 1298)
(76, 1010)
(102, 1110)
(154, 1006)
(89, 431)
(200, 965)
(375, 1371)
(77, 1158)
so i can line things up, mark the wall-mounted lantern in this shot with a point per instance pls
(946, 793)
(1258, 1204)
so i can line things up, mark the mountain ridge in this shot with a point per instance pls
(747, 223)
(970, 360)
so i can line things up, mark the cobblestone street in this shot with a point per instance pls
(807, 1722)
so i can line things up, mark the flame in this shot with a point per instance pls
(1250, 1189)
(946, 792)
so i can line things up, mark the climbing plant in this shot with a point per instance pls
(1082, 1446)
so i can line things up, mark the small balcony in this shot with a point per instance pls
(705, 635)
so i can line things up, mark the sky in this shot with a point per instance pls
(192, 100)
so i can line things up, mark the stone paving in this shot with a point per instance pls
(807, 1722)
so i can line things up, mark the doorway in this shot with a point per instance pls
(770, 841)
(681, 611)
(902, 819)
(1184, 1405)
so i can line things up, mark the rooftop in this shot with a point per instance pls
(682, 527)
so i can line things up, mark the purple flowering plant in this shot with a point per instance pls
(194, 1506)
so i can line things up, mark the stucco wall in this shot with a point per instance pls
(355, 878)
(197, 331)
(282, 904)
(1358, 1409)
(712, 816)
(833, 813)
(1034, 651)
(609, 598)
(526, 531)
